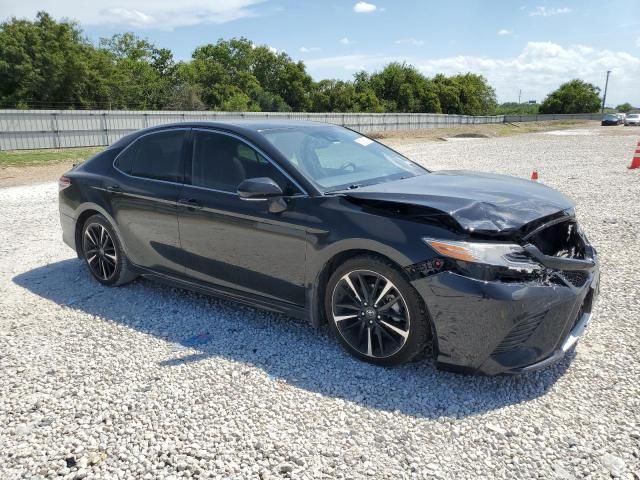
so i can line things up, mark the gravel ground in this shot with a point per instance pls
(146, 381)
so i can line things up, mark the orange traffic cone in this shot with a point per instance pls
(635, 162)
(534, 176)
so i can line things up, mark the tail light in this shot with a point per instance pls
(63, 182)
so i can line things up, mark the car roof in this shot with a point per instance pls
(253, 125)
(248, 128)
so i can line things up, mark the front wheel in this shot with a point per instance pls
(103, 254)
(375, 312)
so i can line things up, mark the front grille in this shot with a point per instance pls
(519, 334)
(577, 278)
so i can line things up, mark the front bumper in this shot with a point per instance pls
(493, 327)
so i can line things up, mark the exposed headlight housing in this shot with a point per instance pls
(507, 255)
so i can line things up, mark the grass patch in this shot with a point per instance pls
(25, 158)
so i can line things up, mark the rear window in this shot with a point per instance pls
(157, 156)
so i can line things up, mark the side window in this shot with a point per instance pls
(222, 162)
(157, 156)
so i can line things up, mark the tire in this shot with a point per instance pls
(383, 328)
(102, 253)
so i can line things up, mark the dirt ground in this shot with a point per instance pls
(13, 176)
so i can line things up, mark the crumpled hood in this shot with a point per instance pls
(477, 201)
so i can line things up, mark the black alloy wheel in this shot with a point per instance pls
(103, 253)
(99, 251)
(376, 313)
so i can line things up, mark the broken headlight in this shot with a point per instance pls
(506, 255)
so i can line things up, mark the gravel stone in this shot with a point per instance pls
(146, 381)
(614, 464)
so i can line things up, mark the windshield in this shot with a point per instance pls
(611, 116)
(633, 115)
(335, 158)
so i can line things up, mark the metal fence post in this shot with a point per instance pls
(104, 127)
(54, 128)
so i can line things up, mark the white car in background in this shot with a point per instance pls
(632, 119)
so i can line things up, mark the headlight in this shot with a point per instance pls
(498, 254)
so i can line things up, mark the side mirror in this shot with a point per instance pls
(260, 188)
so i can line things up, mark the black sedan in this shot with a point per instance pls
(611, 119)
(490, 273)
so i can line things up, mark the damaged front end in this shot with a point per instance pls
(508, 277)
(509, 307)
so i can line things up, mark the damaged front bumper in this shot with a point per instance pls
(494, 327)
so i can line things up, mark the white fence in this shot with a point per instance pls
(31, 129)
(551, 116)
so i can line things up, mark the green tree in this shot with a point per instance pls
(467, 94)
(625, 107)
(402, 88)
(50, 64)
(515, 108)
(142, 75)
(576, 96)
(237, 72)
(184, 96)
(334, 96)
(46, 64)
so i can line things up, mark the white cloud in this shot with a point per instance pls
(345, 41)
(364, 7)
(504, 31)
(538, 69)
(158, 14)
(543, 66)
(347, 63)
(310, 49)
(410, 41)
(548, 12)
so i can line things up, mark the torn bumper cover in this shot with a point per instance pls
(494, 327)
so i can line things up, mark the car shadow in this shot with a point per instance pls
(199, 327)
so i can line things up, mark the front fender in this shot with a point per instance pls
(317, 272)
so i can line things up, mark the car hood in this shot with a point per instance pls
(482, 202)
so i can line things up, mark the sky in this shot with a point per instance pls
(518, 45)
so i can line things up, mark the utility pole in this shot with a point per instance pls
(606, 84)
(519, 95)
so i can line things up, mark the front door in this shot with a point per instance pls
(237, 243)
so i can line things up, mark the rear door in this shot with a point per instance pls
(236, 243)
(144, 194)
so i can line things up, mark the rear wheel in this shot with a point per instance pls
(103, 253)
(375, 312)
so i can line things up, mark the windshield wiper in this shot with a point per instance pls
(350, 187)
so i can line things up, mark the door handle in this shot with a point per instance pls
(114, 188)
(190, 203)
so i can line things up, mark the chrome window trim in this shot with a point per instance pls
(255, 148)
(146, 135)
